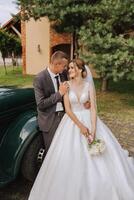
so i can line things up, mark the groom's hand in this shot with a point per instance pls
(63, 88)
(87, 105)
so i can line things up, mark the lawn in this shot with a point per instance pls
(118, 101)
(15, 77)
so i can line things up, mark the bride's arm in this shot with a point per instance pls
(69, 112)
(93, 110)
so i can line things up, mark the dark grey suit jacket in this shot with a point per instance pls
(46, 99)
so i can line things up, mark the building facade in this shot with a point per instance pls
(39, 41)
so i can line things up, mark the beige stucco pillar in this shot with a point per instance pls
(37, 45)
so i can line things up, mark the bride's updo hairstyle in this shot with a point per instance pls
(81, 65)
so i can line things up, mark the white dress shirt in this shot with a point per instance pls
(59, 106)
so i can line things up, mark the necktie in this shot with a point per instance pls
(58, 84)
(57, 81)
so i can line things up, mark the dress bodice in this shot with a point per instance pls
(77, 103)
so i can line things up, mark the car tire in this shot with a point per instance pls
(30, 165)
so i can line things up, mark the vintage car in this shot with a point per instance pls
(21, 146)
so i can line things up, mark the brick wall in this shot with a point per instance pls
(56, 38)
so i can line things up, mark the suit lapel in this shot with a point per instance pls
(49, 81)
(63, 77)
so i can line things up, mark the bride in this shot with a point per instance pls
(69, 171)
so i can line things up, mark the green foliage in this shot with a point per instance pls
(103, 39)
(69, 14)
(112, 56)
(4, 40)
(9, 43)
(101, 27)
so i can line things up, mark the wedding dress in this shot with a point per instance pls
(69, 172)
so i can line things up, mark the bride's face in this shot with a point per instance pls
(73, 70)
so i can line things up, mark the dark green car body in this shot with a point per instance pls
(18, 132)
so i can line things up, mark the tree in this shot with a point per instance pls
(16, 50)
(3, 46)
(9, 45)
(104, 36)
(68, 15)
(99, 28)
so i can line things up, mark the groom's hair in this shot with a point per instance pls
(58, 55)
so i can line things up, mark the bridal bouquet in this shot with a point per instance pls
(96, 147)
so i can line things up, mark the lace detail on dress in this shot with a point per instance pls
(77, 102)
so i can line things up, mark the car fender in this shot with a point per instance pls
(18, 136)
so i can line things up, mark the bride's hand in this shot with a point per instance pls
(84, 131)
(91, 138)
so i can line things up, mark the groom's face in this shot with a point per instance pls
(60, 65)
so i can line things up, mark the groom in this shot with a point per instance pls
(50, 86)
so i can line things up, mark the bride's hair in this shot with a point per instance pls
(81, 65)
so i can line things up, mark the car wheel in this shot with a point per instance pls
(30, 162)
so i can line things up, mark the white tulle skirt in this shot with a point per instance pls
(70, 173)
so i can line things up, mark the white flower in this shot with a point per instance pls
(97, 147)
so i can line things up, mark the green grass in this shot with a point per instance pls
(118, 102)
(15, 77)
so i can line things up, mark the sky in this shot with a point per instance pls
(7, 7)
